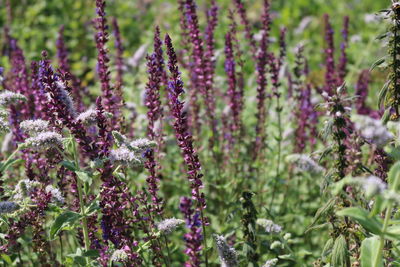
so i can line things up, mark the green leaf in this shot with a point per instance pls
(69, 165)
(91, 253)
(327, 249)
(371, 224)
(9, 163)
(68, 218)
(92, 208)
(322, 211)
(382, 93)
(370, 252)
(394, 176)
(340, 254)
(84, 177)
(6, 258)
(377, 63)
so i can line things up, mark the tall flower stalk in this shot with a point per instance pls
(184, 138)
(110, 98)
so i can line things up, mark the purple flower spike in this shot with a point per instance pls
(342, 67)
(246, 23)
(262, 60)
(194, 237)
(119, 60)
(330, 74)
(65, 68)
(112, 102)
(184, 138)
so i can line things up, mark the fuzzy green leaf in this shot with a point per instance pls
(67, 218)
(340, 254)
(371, 224)
(370, 252)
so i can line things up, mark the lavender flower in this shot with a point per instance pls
(227, 254)
(142, 144)
(167, 226)
(43, 141)
(34, 127)
(8, 97)
(269, 226)
(8, 207)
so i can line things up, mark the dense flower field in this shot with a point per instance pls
(205, 133)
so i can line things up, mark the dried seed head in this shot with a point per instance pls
(167, 226)
(8, 97)
(44, 141)
(8, 207)
(33, 127)
(227, 254)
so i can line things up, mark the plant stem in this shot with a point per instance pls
(388, 213)
(81, 200)
(279, 139)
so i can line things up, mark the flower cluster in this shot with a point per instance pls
(373, 130)
(227, 254)
(167, 226)
(269, 226)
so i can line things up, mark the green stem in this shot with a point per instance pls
(7, 161)
(278, 109)
(81, 200)
(388, 214)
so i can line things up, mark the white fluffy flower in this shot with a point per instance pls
(269, 226)
(88, 117)
(124, 156)
(55, 194)
(270, 263)
(227, 254)
(373, 130)
(44, 141)
(142, 144)
(34, 127)
(8, 97)
(373, 186)
(4, 127)
(119, 256)
(305, 163)
(24, 188)
(167, 226)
